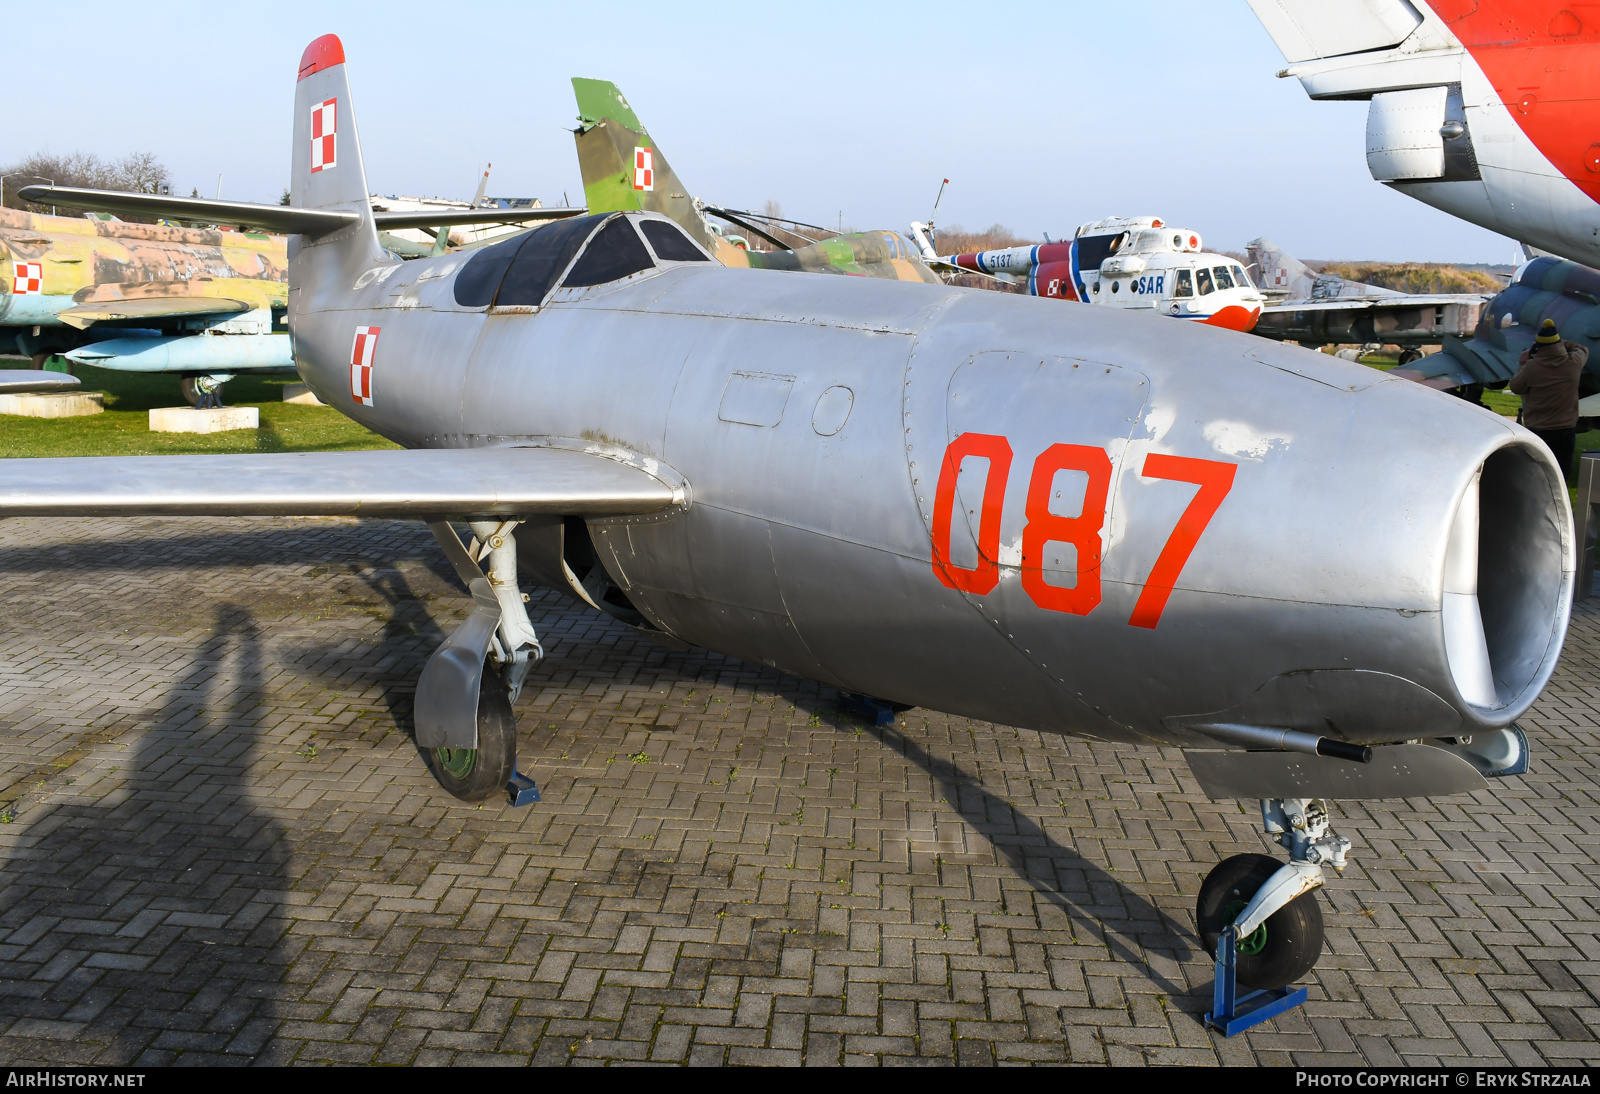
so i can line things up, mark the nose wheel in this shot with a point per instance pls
(1279, 951)
(478, 774)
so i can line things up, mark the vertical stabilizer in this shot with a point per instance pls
(623, 170)
(1279, 274)
(325, 169)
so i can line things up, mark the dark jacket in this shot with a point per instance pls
(1548, 384)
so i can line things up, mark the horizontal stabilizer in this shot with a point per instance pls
(449, 218)
(21, 381)
(245, 214)
(415, 483)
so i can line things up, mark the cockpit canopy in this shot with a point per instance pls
(591, 250)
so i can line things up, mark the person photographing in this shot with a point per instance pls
(1548, 384)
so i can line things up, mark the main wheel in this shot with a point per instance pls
(1281, 950)
(477, 774)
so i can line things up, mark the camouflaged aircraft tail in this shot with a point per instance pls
(326, 172)
(623, 170)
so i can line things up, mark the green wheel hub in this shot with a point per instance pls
(459, 762)
(1256, 940)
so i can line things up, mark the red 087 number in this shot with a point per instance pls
(1213, 477)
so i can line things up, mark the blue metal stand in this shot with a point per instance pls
(1234, 1013)
(874, 711)
(521, 789)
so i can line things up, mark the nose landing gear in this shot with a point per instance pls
(1278, 951)
(1271, 905)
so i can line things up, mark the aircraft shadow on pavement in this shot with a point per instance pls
(1125, 922)
(148, 923)
(246, 545)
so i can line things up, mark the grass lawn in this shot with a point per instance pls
(124, 428)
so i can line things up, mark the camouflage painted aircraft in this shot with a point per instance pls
(624, 171)
(1317, 580)
(205, 303)
(137, 297)
(1544, 288)
(1319, 309)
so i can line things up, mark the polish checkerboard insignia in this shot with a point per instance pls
(324, 131)
(27, 278)
(644, 169)
(361, 353)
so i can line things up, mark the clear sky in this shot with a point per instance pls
(1043, 115)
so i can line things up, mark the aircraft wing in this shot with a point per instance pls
(449, 218)
(89, 313)
(23, 380)
(408, 483)
(1438, 370)
(273, 218)
(1361, 303)
(246, 214)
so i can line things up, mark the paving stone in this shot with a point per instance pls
(220, 845)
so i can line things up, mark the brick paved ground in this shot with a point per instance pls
(219, 845)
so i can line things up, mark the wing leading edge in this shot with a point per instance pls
(416, 483)
(276, 218)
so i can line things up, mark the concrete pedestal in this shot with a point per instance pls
(71, 404)
(186, 419)
(301, 394)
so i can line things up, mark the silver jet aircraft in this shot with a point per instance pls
(1319, 581)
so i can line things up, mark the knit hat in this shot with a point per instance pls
(1548, 335)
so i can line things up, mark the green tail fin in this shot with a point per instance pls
(623, 170)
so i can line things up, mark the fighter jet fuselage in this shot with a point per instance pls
(1064, 519)
(1076, 520)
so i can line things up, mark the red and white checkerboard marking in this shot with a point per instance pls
(27, 278)
(644, 169)
(361, 353)
(324, 131)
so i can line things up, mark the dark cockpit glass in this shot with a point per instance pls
(1224, 278)
(669, 242)
(613, 253)
(1202, 280)
(1183, 284)
(541, 260)
(480, 277)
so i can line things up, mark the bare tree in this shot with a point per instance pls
(141, 172)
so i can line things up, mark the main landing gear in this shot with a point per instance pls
(1272, 906)
(465, 725)
(203, 392)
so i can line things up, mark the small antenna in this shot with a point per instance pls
(936, 201)
(219, 185)
(934, 215)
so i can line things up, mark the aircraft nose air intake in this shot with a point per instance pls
(1507, 579)
(1465, 646)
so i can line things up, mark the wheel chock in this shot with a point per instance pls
(521, 789)
(873, 711)
(1234, 1013)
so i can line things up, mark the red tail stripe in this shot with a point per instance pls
(325, 52)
